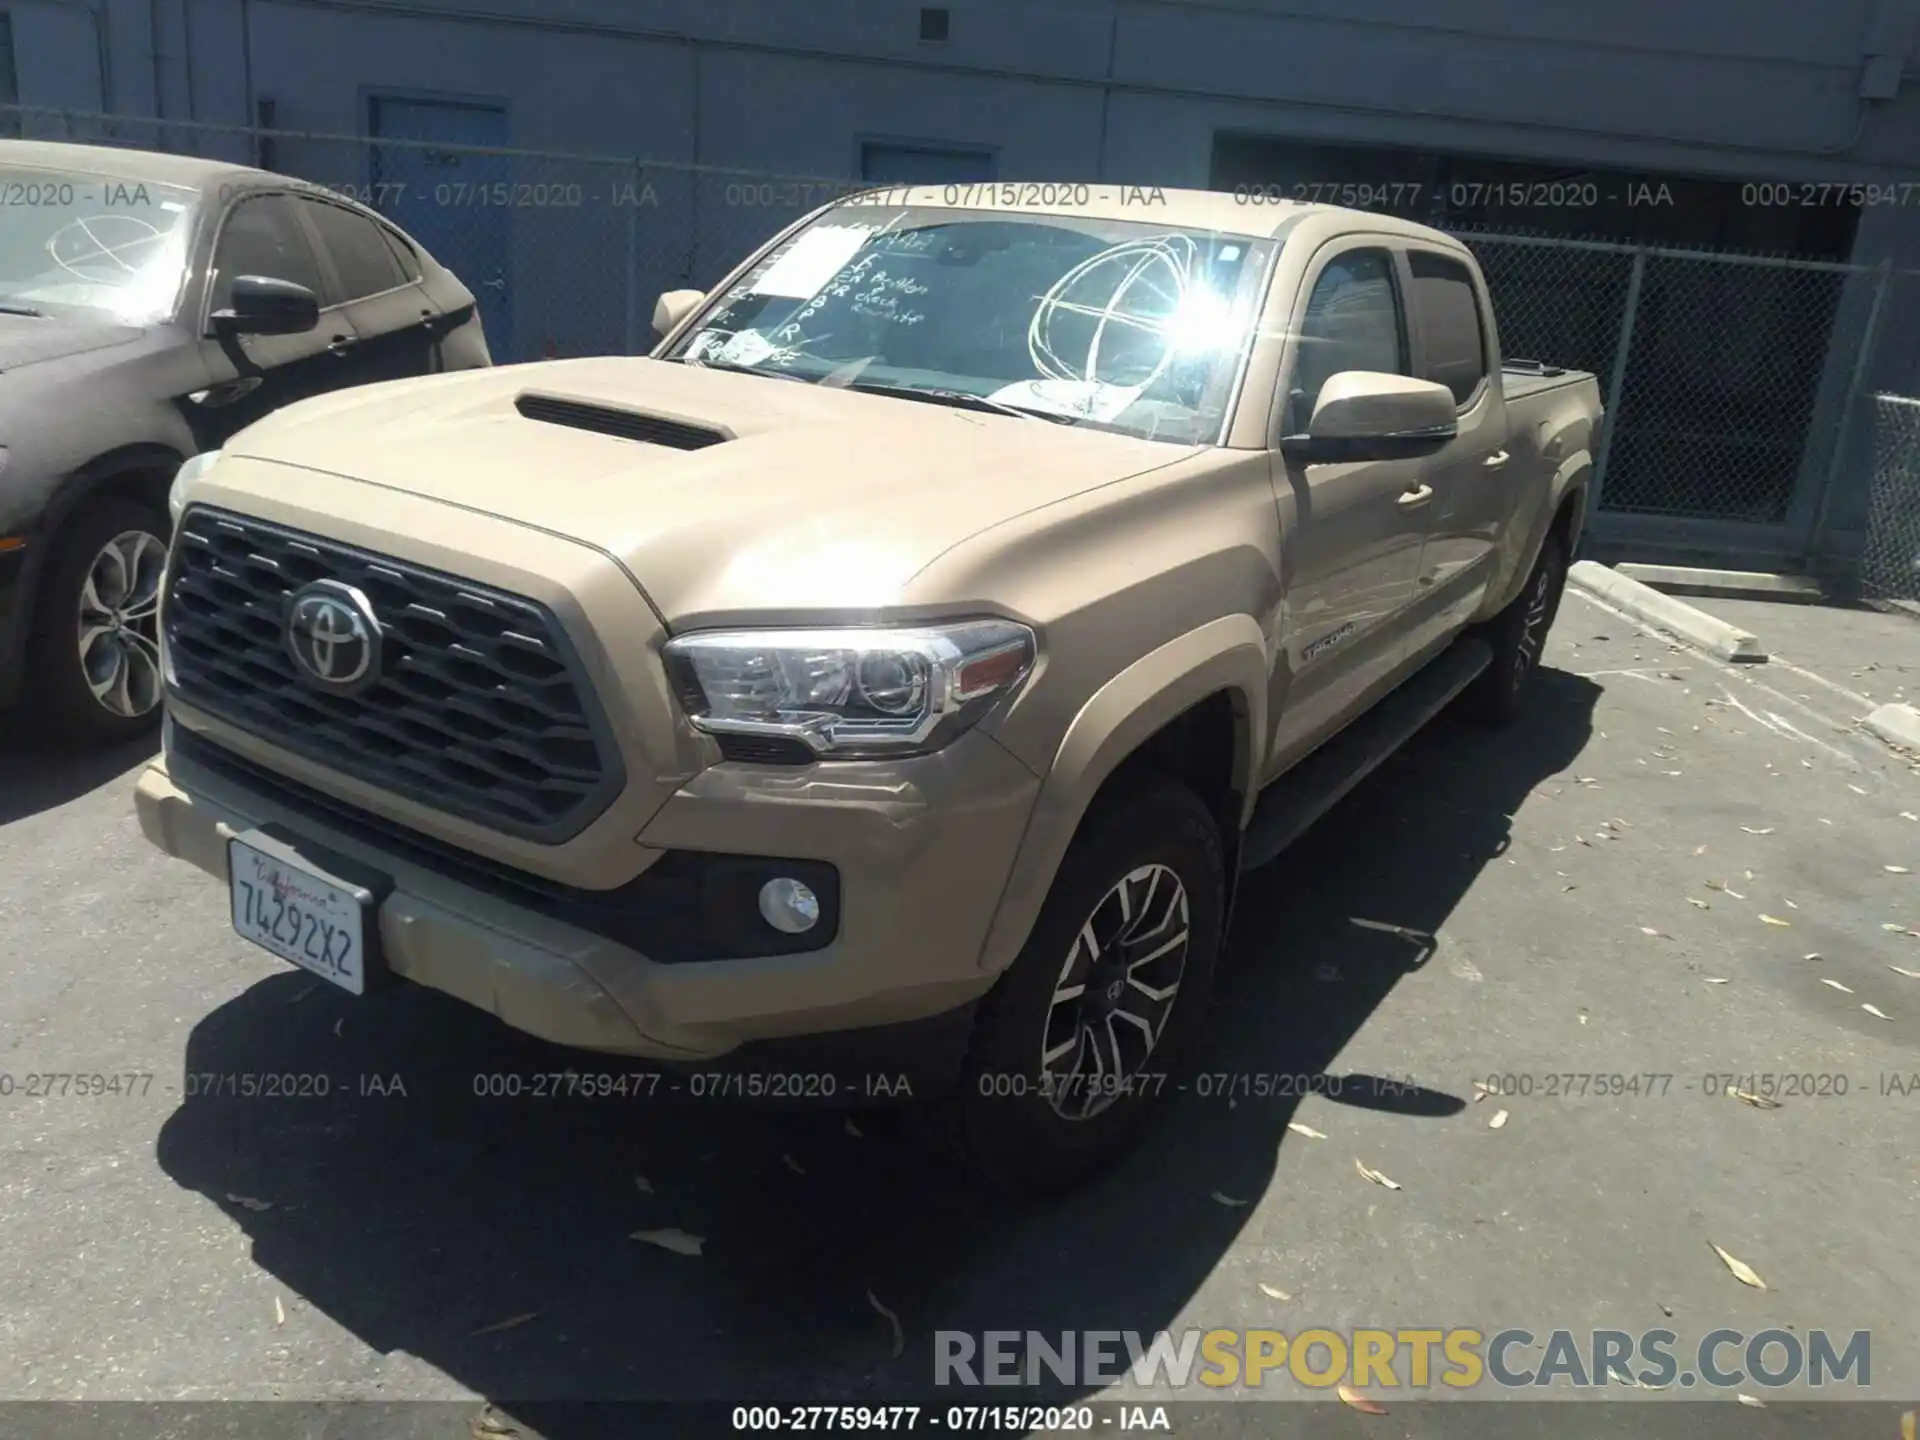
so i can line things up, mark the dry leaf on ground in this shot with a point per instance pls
(1273, 1291)
(899, 1334)
(643, 1185)
(247, 1202)
(488, 1425)
(506, 1324)
(1759, 1102)
(1359, 1402)
(1896, 869)
(1698, 904)
(1227, 1200)
(1375, 1176)
(1843, 989)
(791, 1164)
(1718, 980)
(1656, 934)
(678, 1241)
(1499, 1119)
(1902, 970)
(1876, 1012)
(279, 1312)
(1746, 1399)
(1765, 830)
(1775, 920)
(1740, 1270)
(853, 1130)
(1307, 1130)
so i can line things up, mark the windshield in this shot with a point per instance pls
(74, 243)
(1124, 326)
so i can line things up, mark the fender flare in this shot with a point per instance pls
(1226, 655)
(1573, 477)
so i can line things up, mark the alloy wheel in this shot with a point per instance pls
(1115, 992)
(119, 624)
(1533, 629)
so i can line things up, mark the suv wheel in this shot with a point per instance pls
(1082, 1034)
(1518, 635)
(94, 655)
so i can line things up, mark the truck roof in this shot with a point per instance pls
(1216, 210)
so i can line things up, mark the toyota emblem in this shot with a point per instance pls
(332, 635)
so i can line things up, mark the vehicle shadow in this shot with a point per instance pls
(37, 776)
(490, 1237)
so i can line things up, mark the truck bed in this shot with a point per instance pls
(1521, 379)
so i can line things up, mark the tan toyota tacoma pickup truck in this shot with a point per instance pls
(902, 662)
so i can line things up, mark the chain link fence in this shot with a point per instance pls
(1737, 386)
(1890, 552)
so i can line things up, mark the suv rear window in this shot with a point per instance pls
(1449, 311)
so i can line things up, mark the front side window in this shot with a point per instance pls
(1353, 321)
(1121, 325)
(263, 237)
(85, 244)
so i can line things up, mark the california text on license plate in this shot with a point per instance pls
(299, 916)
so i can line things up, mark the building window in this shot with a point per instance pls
(908, 163)
(936, 23)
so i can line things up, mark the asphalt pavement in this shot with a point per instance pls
(1675, 879)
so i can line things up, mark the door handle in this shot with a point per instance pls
(340, 344)
(1417, 496)
(1496, 460)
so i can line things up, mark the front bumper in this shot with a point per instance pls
(922, 848)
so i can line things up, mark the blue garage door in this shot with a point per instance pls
(430, 193)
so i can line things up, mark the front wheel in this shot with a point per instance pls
(1081, 1037)
(1518, 635)
(93, 659)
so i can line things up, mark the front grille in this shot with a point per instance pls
(479, 710)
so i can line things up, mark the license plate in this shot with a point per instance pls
(300, 915)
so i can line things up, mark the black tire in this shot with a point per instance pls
(1002, 1122)
(59, 696)
(1518, 635)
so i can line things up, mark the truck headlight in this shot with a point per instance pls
(854, 693)
(184, 478)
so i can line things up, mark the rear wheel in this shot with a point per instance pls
(1079, 1040)
(1518, 635)
(93, 658)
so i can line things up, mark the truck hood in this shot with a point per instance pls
(748, 493)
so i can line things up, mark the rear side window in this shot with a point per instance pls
(403, 252)
(1449, 311)
(1353, 322)
(361, 257)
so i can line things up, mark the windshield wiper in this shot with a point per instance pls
(958, 399)
(738, 368)
(9, 307)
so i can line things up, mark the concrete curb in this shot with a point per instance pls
(1643, 602)
(1896, 724)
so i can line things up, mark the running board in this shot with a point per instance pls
(1319, 782)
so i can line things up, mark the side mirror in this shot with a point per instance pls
(1369, 415)
(673, 307)
(262, 305)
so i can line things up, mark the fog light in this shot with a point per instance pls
(788, 906)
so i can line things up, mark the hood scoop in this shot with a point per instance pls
(624, 424)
